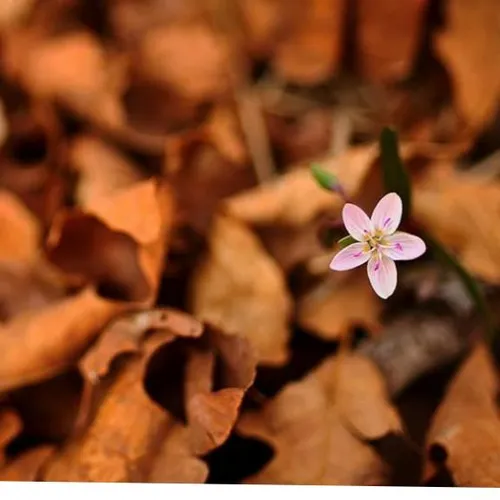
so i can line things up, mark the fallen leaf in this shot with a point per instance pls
(224, 290)
(289, 213)
(24, 288)
(295, 198)
(363, 399)
(308, 425)
(309, 50)
(464, 436)
(102, 169)
(262, 20)
(467, 46)
(388, 40)
(30, 355)
(12, 13)
(20, 231)
(466, 228)
(125, 334)
(161, 58)
(147, 443)
(333, 307)
(129, 19)
(119, 242)
(27, 466)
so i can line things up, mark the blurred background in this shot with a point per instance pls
(167, 310)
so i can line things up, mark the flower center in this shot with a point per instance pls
(374, 240)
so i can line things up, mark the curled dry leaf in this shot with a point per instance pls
(119, 242)
(101, 168)
(309, 426)
(239, 288)
(339, 303)
(147, 443)
(389, 34)
(469, 229)
(467, 46)
(464, 436)
(125, 334)
(309, 52)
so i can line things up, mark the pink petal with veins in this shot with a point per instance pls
(403, 246)
(350, 257)
(387, 214)
(383, 275)
(356, 221)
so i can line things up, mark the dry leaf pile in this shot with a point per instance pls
(167, 312)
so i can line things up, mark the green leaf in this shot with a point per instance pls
(396, 178)
(469, 283)
(346, 241)
(325, 179)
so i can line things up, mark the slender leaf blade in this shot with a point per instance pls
(396, 178)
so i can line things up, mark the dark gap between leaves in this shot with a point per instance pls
(28, 148)
(238, 458)
(307, 351)
(164, 378)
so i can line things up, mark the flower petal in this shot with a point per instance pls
(403, 246)
(383, 275)
(350, 257)
(387, 214)
(356, 221)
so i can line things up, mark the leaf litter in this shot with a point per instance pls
(165, 292)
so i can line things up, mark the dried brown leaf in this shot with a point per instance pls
(363, 399)
(308, 423)
(389, 34)
(20, 231)
(27, 466)
(332, 308)
(30, 354)
(134, 439)
(23, 288)
(119, 242)
(295, 198)
(11, 13)
(468, 47)
(448, 210)
(464, 435)
(101, 168)
(309, 51)
(240, 289)
(163, 58)
(290, 212)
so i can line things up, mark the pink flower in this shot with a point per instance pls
(378, 243)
